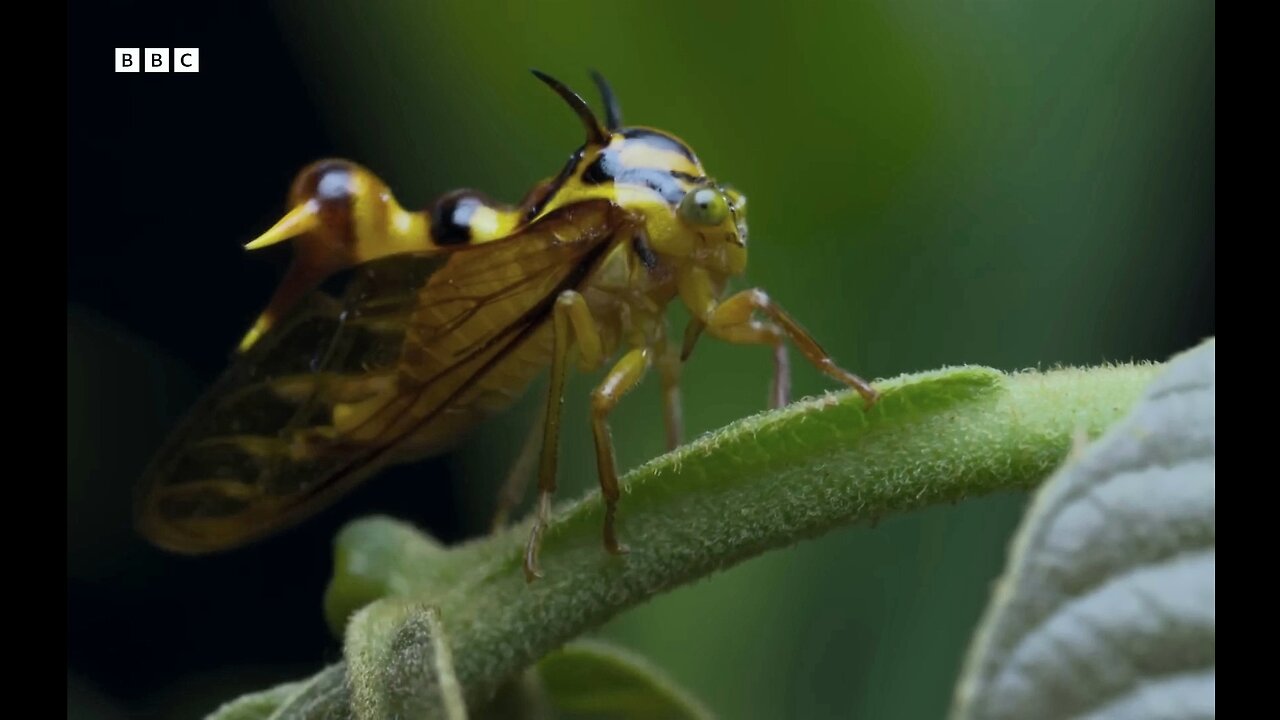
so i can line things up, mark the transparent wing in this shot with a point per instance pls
(341, 388)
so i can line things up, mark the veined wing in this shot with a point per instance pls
(340, 389)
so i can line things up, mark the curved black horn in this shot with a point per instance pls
(596, 134)
(612, 110)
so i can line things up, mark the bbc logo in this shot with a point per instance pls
(157, 60)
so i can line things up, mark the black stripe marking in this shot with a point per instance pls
(451, 217)
(640, 244)
(660, 181)
(601, 170)
(687, 177)
(565, 173)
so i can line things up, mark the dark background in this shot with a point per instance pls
(929, 185)
(170, 175)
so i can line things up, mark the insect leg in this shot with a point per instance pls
(780, 391)
(731, 320)
(571, 321)
(518, 477)
(669, 366)
(621, 379)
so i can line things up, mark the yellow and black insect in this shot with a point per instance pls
(449, 316)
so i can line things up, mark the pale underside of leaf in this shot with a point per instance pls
(1107, 608)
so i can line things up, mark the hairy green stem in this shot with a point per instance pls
(764, 482)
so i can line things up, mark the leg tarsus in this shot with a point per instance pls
(531, 569)
(780, 390)
(611, 544)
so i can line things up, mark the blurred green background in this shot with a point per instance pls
(931, 183)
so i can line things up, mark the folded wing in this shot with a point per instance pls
(412, 354)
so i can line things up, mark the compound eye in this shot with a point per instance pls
(704, 206)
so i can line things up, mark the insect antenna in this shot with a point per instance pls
(596, 134)
(612, 110)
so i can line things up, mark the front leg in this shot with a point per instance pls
(732, 320)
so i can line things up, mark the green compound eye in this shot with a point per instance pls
(704, 206)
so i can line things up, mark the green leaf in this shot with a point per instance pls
(1108, 606)
(404, 660)
(592, 679)
(764, 482)
(321, 697)
(371, 560)
(259, 705)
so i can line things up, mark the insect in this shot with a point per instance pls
(449, 315)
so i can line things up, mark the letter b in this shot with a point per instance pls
(157, 59)
(128, 60)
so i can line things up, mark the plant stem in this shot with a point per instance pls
(761, 483)
(764, 482)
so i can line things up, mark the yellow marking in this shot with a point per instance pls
(224, 487)
(255, 333)
(635, 154)
(331, 387)
(378, 235)
(302, 219)
(256, 445)
(487, 223)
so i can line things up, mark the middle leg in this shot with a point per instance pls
(669, 368)
(621, 379)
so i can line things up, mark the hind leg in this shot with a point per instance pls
(522, 469)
